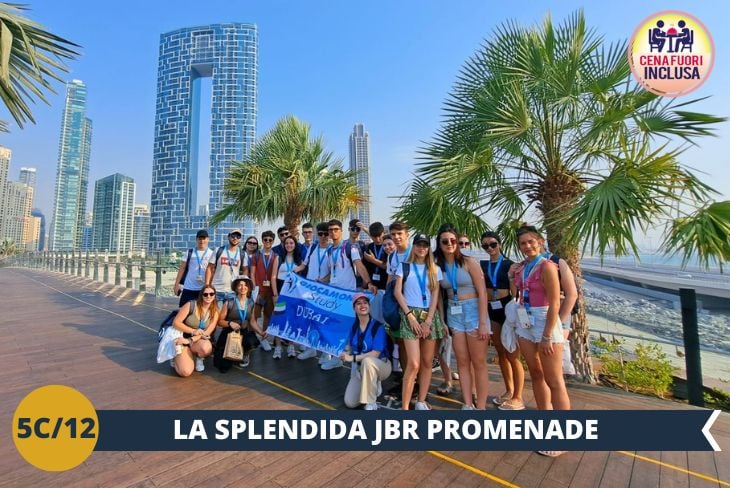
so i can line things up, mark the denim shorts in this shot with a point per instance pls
(467, 320)
(534, 333)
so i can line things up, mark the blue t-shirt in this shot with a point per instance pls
(364, 342)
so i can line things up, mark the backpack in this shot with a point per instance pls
(391, 309)
(187, 267)
(388, 341)
(556, 259)
(219, 253)
(170, 318)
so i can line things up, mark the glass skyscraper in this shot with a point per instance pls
(227, 53)
(113, 216)
(360, 162)
(72, 173)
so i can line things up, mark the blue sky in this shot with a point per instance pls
(386, 64)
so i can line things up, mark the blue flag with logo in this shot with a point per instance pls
(313, 314)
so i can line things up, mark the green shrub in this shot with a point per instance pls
(646, 370)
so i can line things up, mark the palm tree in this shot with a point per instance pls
(289, 174)
(8, 248)
(545, 123)
(30, 58)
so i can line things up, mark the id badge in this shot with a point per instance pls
(496, 305)
(266, 283)
(376, 277)
(455, 309)
(199, 279)
(523, 317)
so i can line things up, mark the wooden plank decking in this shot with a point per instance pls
(99, 339)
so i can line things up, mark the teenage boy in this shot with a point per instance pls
(399, 233)
(374, 258)
(308, 235)
(318, 269)
(229, 263)
(264, 265)
(191, 276)
(344, 260)
(283, 233)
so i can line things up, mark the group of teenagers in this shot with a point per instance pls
(444, 295)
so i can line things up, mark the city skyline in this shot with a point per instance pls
(113, 211)
(395, 84)
(360, 162)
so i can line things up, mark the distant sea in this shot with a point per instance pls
(655, 258)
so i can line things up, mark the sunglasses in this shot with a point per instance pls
(354, 229)
(335, 229)
(525, 229)
(283, 235)
(491, 245)
(234, 236)
(446, 242)
(268, 239)
(209, 294)
(464, 243)
(252, 243)
(322, 234)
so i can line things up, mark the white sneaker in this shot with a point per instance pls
(380, 388)
(172, 363)
(307, 353)
(468, 407)
(332, 364)
(290, 351)
(277, 352)
(266, 345)
(199, 364)
(324, 357)
(371, 406)
(422, 406)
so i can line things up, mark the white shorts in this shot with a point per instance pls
(534, 333)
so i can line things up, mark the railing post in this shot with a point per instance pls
(106, 271)
(117, 273)
(65, 262)
(96, 265)
(690, 333)
(87, 266)
(78, 270)
(158, 274)
(130, 277)
(142, 276)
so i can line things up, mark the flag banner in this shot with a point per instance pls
(313, 314)
(397, 430)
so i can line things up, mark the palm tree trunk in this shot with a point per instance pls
(292, 219)
(557, 193)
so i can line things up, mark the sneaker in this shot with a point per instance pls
(371, 406)
(277, 352)
(324, 357)
(246, 361)
(172, 363)
(266, 345)
(468, 407)
(512, 405)
(307, 353)
(290, 351)
(502, 398)
(332, 364)
(422, 406)
(455, 375)
(199, 364)
(380, 389)
(435, 364)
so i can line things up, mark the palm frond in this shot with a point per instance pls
(704, 234)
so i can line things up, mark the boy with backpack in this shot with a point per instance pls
(191, 277)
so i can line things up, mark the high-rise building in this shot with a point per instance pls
(113, 216)
(360, 162)
(5, 155)
(37, 214)
(72, 174)
(228, 53)
(28, 176)
(16, 209)
(141, 237)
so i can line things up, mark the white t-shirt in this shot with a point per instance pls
(342, 272)
(319, 263)
(284, 269)
(395, 259)
(195, 278)
(228, 268)
(412, 288)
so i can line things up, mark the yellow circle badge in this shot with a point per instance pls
(55, 428)
(671, 53)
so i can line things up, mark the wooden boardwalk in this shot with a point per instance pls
(60, 329)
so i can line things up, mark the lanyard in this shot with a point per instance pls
(200, 261)
(241, 314)
(235, 257)
(266, 263)
(405, 256)
(493, 276)
(421, 283)
(452, 279)
(378, 252)
(201, 324)
(361, 336)
(337, 253)
(289, 265)
(320, 258)
(526, 270)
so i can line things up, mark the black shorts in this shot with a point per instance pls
(498, 315)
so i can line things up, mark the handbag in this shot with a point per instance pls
(234, 347)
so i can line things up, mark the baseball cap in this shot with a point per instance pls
(358, 296)
(236, 231)
(201, 233)
(421, 238)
